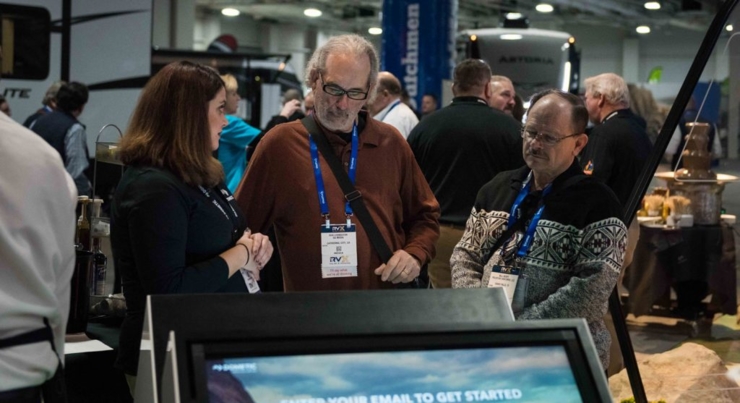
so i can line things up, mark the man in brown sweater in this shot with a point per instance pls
(281, 186)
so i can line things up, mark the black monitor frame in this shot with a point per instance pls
(571, 334)
(195, 327)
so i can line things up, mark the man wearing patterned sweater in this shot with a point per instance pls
(551, 236)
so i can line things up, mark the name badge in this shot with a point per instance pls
(338, 251)
(505, 277)
(252, 286)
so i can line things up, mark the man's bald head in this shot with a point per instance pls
(390, 83)
(388, 90)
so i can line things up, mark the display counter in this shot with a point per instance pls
(90, 376)
(695, 261)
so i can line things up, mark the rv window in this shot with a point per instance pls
(25, 37)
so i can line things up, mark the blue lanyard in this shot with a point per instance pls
(529, 235)
(389, 110)
(352, 172)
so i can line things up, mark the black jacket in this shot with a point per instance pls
(461, 147)
(616, 152)
(53, 128)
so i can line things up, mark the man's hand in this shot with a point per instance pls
(290, 108)
(401, 268)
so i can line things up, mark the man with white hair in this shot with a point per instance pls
(617, 149)
(618, 144)
(290, 185)
(49, 102)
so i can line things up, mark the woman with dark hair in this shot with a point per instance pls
(174, 225)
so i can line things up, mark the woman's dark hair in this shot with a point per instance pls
(169, 128)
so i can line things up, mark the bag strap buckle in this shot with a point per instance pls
(354, 195)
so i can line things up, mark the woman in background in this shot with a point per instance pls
(174, 225)
(235, 137)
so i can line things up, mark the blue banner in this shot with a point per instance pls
(710, 110)
(419, 44)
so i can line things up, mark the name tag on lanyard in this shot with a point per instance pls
(338, 241)
(508, 277)
(504, 277)
(338, 251)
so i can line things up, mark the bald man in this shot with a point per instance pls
(502, 94)
(387, 107)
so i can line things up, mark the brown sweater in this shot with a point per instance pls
(279, 188)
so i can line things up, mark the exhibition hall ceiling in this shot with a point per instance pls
(359, 15)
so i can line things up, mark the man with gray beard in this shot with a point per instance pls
(323, 246)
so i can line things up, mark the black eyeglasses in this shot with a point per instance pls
(544, 138)
(337, 91)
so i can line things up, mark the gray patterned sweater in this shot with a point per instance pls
(574, 261)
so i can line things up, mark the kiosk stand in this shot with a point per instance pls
(396, 346)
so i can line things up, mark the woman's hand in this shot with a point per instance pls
(261, 248)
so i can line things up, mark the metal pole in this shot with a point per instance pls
(66, 39)
(625, 345)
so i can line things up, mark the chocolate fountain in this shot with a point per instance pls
(696, 181)
(696, 157)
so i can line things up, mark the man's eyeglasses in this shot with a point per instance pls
(337, 91)
(546, 139)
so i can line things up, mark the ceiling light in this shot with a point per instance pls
(230, 12)
(643, 29)
(374, 31)
(544, 8)
(729, 27)
(312, 12)
(652, 5)
(513, 16)
(511, 37)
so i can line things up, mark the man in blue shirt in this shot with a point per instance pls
(66, 134)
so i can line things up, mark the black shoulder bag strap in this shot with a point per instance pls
(352, 195)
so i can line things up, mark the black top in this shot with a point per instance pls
(166, 237)
(461, 147)
(616, 152)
